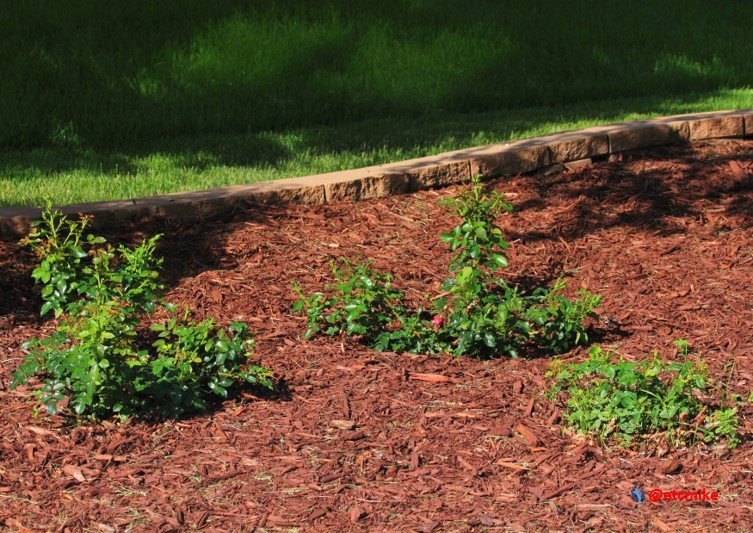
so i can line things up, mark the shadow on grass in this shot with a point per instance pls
(111, 75)
(193, 153)
(151, 166)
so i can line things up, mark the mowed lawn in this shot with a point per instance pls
(104, 101)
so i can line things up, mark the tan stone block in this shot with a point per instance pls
(748, 124)
(365, 187)
(646, 134)
(304, 194)
(385, 185)
(340, 191)
(509, 159)
(439, 175)
(194, 206)
(119, 218)
(569, 147)
(716, 127)
(555, 169)
(197, 209)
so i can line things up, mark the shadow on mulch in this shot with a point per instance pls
(238, 392)
(281, 393)
(607, 195)
(187, 249)
(650, 198)
(17, 295)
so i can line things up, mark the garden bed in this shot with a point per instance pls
(437, 443)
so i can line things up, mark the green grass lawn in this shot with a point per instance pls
(114, 100)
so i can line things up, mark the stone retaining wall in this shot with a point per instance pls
(503, 159)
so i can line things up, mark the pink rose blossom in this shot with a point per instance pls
(437, 320)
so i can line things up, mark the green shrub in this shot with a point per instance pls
(479, 314)
(361, 301)
(364, 302)
(477, 241)
(559, 323)
(631, 401)
(103, 358)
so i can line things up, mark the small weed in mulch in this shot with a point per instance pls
(629, 401)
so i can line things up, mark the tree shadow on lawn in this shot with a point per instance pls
(173, 159)
(102, 89)
(326, 148)
(197, 153)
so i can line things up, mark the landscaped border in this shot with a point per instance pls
(503, 159)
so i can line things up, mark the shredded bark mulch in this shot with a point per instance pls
(357, 439)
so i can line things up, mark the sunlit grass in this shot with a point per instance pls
(68, 175)
(111, 100)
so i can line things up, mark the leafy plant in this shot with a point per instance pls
(483, 318)
(102, 359)
(414, 334)
(478, 241)
(59, 245)
(486, 316)
(683, 348)
(557, 322)
(363, 302)
(360, 302)
(479, 314)
(630, 401)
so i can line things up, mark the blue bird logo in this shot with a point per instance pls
(638, 495)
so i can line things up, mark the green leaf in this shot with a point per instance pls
(490, 340)
(46, 307)
(78, 252)
(222, 345)
(499, 260)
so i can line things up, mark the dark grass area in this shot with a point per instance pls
(131, 72)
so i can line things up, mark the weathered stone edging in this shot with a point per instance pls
(503, 159)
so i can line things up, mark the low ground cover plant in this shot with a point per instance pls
(479, 314)
(103, 358)
(631, 401)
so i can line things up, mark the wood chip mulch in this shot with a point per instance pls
(360, 440)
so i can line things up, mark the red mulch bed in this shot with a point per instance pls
(665, 236)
